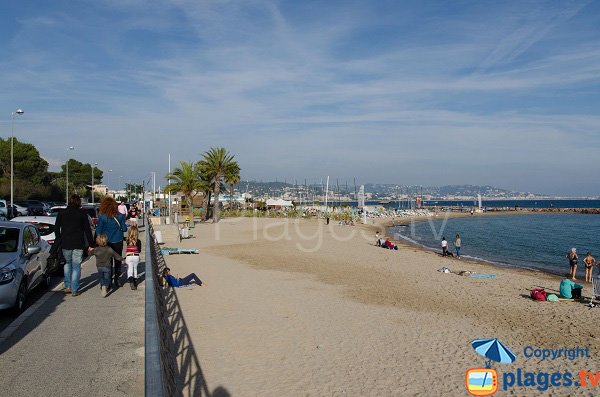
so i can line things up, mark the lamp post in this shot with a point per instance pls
(93, 165)
(69, 148)
(12, 138)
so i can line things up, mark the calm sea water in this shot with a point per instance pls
(562, 203)
(535, 241)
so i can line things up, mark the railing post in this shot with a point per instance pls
(154, 381)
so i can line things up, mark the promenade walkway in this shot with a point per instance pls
(76, 346)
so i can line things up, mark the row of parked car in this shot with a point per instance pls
(26, 207)
(30, 254)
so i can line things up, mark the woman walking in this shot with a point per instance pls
(457, 243)
(112, 223)
(572, 257)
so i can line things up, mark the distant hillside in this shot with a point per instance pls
(382, 190)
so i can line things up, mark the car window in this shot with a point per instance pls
(35, 235)
(44, 228)
(27, 240)
(2, 204)
(9, 239)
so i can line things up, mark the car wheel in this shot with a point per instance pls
(21, 300)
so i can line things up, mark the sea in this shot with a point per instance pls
(531, 241)
(516, 203)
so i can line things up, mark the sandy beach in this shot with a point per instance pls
(299, 308)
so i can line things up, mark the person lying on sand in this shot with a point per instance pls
(168, 279)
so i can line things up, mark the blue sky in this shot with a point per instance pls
(408, 92)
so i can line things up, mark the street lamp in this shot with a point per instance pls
(69, 148)
(93, 165)
(12, 138)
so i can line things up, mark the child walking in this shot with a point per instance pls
(104, 255)
(132, 255)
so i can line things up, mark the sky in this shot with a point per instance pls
(406, 92)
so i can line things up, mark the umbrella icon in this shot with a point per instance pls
(493, 349)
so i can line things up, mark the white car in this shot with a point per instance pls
(44, 225)
(20, 209)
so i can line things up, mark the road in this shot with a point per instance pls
(77, 346)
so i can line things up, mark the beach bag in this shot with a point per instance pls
(538, 294)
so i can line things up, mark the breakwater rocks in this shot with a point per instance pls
(595, 211)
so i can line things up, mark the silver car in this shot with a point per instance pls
(23, 257)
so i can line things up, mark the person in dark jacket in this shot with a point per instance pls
(112, 223)
(74, 232)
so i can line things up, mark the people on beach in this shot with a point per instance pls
(112, 223)
(104, 257)
(589, 262)
(572, 257)
(377, 242)
(457, 244)
(132, 255)
(168, 279)
(444, 245)
(74, 232)
(570, 290)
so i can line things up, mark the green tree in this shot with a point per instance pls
(80, 177)
(232, 179)
(27, 165)
(185, 179)
(134, 191)
(218, 164)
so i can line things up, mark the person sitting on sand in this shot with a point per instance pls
(589, 266)
(570, 290)
(572, 257)
(179, 282)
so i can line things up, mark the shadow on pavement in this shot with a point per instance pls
(29, 320)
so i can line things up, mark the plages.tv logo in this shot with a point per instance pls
(484, 381)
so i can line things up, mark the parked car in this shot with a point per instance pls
(55, 210)
(8, 212)
(20, 210)
(46, 228)
(92, 211)
(23, 264)
(31, 209)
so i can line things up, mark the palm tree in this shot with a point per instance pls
(218, 164)
(232, 179)
(185, 179)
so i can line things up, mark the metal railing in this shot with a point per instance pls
(171, 365)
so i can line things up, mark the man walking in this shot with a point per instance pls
(72, 230)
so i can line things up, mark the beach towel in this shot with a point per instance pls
(482, 275)
(552, 298)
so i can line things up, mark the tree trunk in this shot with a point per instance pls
(190, 203)
(207, 217)
(205, 203)
(216, 199)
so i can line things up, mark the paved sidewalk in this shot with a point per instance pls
(77, 346)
